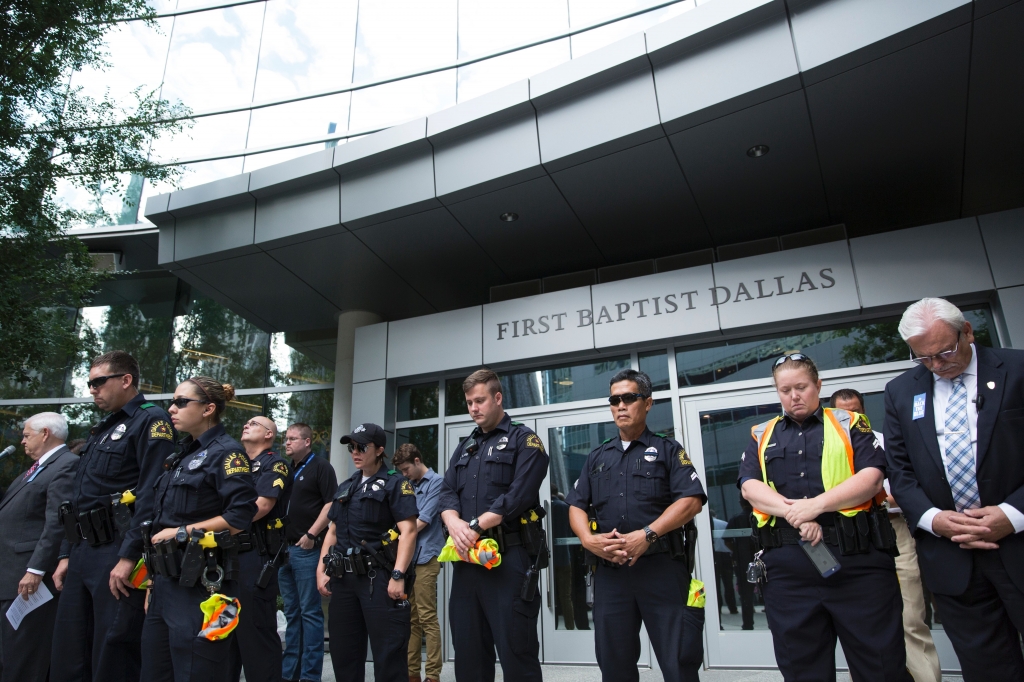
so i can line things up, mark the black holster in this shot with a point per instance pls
(227, 548)
(853, 533)
(68, 519)
(164, 559)
(682, 544)
(192, 562)
(532, 577)
(121, 513)
(883, 535)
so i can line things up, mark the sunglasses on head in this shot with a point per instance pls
(99, 381)
(182, 403)
(796, 357)
(626, 398)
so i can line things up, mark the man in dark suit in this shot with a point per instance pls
(954, 437)
(30, 542)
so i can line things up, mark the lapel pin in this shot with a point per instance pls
(991, 385)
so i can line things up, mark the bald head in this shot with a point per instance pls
(258, 434)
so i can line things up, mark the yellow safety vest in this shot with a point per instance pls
(836, 456)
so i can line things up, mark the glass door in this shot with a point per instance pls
(568, 623)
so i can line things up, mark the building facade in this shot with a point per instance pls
(705, 188)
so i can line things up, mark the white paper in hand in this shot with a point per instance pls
(22, 607)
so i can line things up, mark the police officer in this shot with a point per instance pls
(100, 615)
(814, 477)
(365, 580)
(256, 644)
(643, 490)
(206, 489)
(492, 482)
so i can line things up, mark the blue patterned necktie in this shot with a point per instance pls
(959, 457)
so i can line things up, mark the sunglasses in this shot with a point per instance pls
(99, 381)
(358, 447)
(182, 403)
(796, 357)
(945, 355)
(626, 398)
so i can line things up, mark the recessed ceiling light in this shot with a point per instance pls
(508, 217)
(757, 150)
(564, 382)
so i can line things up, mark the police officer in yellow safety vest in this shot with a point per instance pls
(814, 477)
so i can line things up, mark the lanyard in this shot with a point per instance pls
(298, 471)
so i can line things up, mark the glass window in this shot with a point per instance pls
(655, 365)
(136, 53)
(315, 408)
(298, 121)
(291, 367)
(862, 344)
(659, 419)
(424, 438)
(486, 26)
(417, 402)
(47, 382)
(545, 386)
(207, 137)
(11, 418)
(256, 161)
(586, 12)
(387, 105)
(210, 339)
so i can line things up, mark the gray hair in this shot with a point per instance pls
(642, 381)
(55, 423)
(921, 315)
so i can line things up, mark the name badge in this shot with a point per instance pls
(919, 405)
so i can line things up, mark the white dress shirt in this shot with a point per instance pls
(41, 462)
(941, 392)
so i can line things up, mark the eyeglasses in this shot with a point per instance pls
(253, 422)
(99, 381)
(357, 447)
(945, 355)
(626, 398)
(182, 403)
(796, 357)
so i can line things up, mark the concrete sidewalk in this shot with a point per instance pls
(569, 673)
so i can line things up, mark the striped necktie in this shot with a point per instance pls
(31, 469)
(959, 456)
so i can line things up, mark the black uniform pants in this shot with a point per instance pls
(25, 652)
(255, 644)
(357, 613)
(860, 605)
(986, 621)
(172, 649)
(99, 636)
(653, 593)
(488, 614)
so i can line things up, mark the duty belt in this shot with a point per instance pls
(206, 557)
(337, 563)
(855, 534)
(660, 546)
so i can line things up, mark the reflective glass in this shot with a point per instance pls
(586, 12)
(210, 339)
(394, 103)
(290, 366)
(655, 365)
(136, 53)
(418, 402)
(52, 375)
(486, 26)
(11, 418)
(255, 161)
(659, 419)
(424, 438)
(862, 344)
(724, 436)
(545, 386)
(209, 136)
(315, 408)
(298, 121)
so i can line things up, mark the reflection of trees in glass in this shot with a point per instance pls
(212, 340)
(424, 438)
(315, 408)
(417, 402)
(299, 368)
(47, 379)
(881, 342)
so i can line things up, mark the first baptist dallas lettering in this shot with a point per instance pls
(666, 305)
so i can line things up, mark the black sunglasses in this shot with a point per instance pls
(357, 447)
(626, 398)
(182, 403)
(99, 381)
(796, 357)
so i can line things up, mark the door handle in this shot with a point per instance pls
(551, 554)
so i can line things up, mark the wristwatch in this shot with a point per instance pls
(397, 575)
(474, 526)
(182, 535)
(310, 536)
(652, 537)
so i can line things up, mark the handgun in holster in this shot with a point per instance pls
(532, 577)
(273, 537)
(532, 535)
(121, 511)
(690, 545)
(146, 529)
(192, 562)
(590, 559)
(883, 535)
(228, 545)
(389, 545)
(68, 519)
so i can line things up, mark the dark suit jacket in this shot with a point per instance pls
(30, 532)
(917, 476)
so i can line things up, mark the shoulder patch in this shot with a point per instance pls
(161, 429)
(280, 468)
(684, 459)
(236, 463)
(863, 427)
(533, 441)
(407, 488)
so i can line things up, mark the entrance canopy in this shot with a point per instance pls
(740, 120)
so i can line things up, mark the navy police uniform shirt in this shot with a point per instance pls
(793, 455)
(212, 478)
(502, 475)
(630, 489)
(365, 510)
(272, 478)
(125, 451)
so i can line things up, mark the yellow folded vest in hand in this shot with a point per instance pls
(484, 552)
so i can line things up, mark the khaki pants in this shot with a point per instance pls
(922, 659)
(423, 613)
